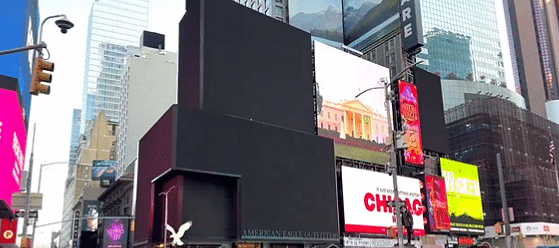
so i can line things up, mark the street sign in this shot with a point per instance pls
(35, 201)
(32, 214)
(20, 214)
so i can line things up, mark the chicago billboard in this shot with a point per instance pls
(366, 21)
(434, 191)
(12, 144)
(463, 196)
(410, 115)
(359, 127)
(365, 199)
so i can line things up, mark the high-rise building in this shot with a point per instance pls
(74, 138)
(533, 31)
(142, 104)
(112, 26)
(98, 144)
(461, 37)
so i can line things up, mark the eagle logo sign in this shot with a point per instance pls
(178, 235)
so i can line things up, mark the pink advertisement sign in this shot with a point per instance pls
(12, 144)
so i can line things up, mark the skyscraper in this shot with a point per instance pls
(461, 37)
(76, 121)
(533, 31)
(112, 26)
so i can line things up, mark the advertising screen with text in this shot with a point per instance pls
(437, 205)
(12, 144)
(358, 126)
(463, 196)
(365, 199)
(410, 115)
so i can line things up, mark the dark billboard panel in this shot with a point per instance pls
(433, 129)
(323, 19)
(115, 233)
(349, 121)
(463, 195)
(366, 21)
(91, 214)
(409, 111)
(13, 139)
(437, 216)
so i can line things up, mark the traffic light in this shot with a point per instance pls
(40, 76)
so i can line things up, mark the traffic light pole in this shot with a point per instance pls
(28, 186)
(41, 45)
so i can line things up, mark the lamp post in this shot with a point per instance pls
(63, 23)
(395, 137)
(166, 193)
(39, 191)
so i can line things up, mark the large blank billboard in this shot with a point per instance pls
(353, 123)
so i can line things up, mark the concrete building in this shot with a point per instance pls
(98, 144)
(149, 88)
(533, 31)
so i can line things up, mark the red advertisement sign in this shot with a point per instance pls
(410, 114)
(8, 231)
(437, 205)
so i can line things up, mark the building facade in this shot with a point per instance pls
(457, 92)
(99, 144)
(141, 103)
(112, 26)
(533, 31)
(480, 130)
(74, 138)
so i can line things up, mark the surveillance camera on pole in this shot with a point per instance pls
(64, 24)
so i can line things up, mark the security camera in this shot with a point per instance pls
(64, 24)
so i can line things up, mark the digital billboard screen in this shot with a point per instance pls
(366, 21)
(322, 19)
(115, 233)
(357, 125)
(409, 112)
(463, 196)
(91, 211)
(103, 170)
(365, 199)
(12, 144)
(434, 192)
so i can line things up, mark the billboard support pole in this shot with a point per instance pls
(504, 202)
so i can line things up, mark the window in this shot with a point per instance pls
(278, 1)
(279, 11)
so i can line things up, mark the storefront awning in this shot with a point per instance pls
(5, 211)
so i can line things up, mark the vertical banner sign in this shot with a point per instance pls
(410, 114)
(437, 214)
(8, 231)
(410, 24)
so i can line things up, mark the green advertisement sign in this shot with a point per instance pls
(463, 195)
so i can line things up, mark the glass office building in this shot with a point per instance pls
(112, 26)
(460, 34)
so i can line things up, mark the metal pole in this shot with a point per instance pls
(504, 201)
(166, 193)
(393, 165)
(15, 50)
(28, 187)
(38, 191)
(41, 31)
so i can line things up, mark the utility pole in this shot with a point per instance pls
(28, 187)
(504, 201)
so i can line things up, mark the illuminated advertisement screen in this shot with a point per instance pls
(12, 144)
(103, 170)
(91, 214)
(322, 19)
(366, 195)
(437, 206)
(366, 21)
(115, 233)
(358, 126)
(410, 115)
(463, 196)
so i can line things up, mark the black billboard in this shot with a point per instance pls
(258, 181)
(430, 101)
(236, 61)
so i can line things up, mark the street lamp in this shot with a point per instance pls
(63, 23)
(39, 191)
(396, 143)
(166, 193)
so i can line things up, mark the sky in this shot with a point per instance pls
(53, 113)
